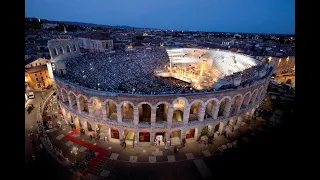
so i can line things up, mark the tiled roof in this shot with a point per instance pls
(36, 69)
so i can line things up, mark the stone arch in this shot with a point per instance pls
(111, 109)
(61, 50)
(206, 131)
(83, 102)
(238, 121)
(175, 137)
(192, 135)
(96, 106)
(223, 105)
(253, 97)
(73, 100)
(68, 49)
(194, 110)
(89, 126)
(162, 111)
(246, 99)
(77, 122)
(246, 118)
(55, 52)
(128, 136)
(127, 110)
(212, 108)
(180, 103)
(259, 93)
(236, 103)
(177, 115)
(144, 136)
(218, 128)
(64, 95)
(144, 109)
(114, 133)
(164, 102)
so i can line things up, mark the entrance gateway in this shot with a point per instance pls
(160, 136)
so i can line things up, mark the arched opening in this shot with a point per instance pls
(247, 117)
(55, 51)
(246, 100)
(218, 128)
(160, 136)
(191, 135)
(61, 50)
(89, 127)
(69, 118)
(127, 112)
(194, 111)
(206, 132)
(144, 136)
(114, 134)
(74, 48)
(230, 125)
(177, 116)
(235, 105)
(73, 101)
(68, 49)
(253, 97)
(77, 122)
(83, 104)
(111, 109)
(96, 108)
(175, 137)
(211, 109)
(128, 136)
(223, 106)
(161, 112)
(144, 113)
(259, 94)
(65, 97)
(238, 123)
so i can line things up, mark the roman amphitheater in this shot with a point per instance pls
(141, 94)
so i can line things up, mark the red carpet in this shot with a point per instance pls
(102, 152)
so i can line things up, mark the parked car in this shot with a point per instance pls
(31, 95)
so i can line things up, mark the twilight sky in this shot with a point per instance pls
(261, 16)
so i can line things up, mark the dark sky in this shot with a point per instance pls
(261, 16)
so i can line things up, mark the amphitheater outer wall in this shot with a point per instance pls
(244, 110)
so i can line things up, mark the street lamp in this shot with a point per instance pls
(75, 152)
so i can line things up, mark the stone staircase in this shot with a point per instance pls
(98, 168)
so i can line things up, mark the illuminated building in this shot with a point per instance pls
(141, 117)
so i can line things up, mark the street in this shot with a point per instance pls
(44, 166)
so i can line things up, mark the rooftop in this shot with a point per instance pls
(36, 69)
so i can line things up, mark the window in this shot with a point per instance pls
(36, 64)
(31, 65)
(35, 74)
(37, 79)
(42, 78)
(46, 76)
(40, 73)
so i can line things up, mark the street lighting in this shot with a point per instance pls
(75, 152)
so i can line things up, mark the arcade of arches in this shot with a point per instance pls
(222, 115)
